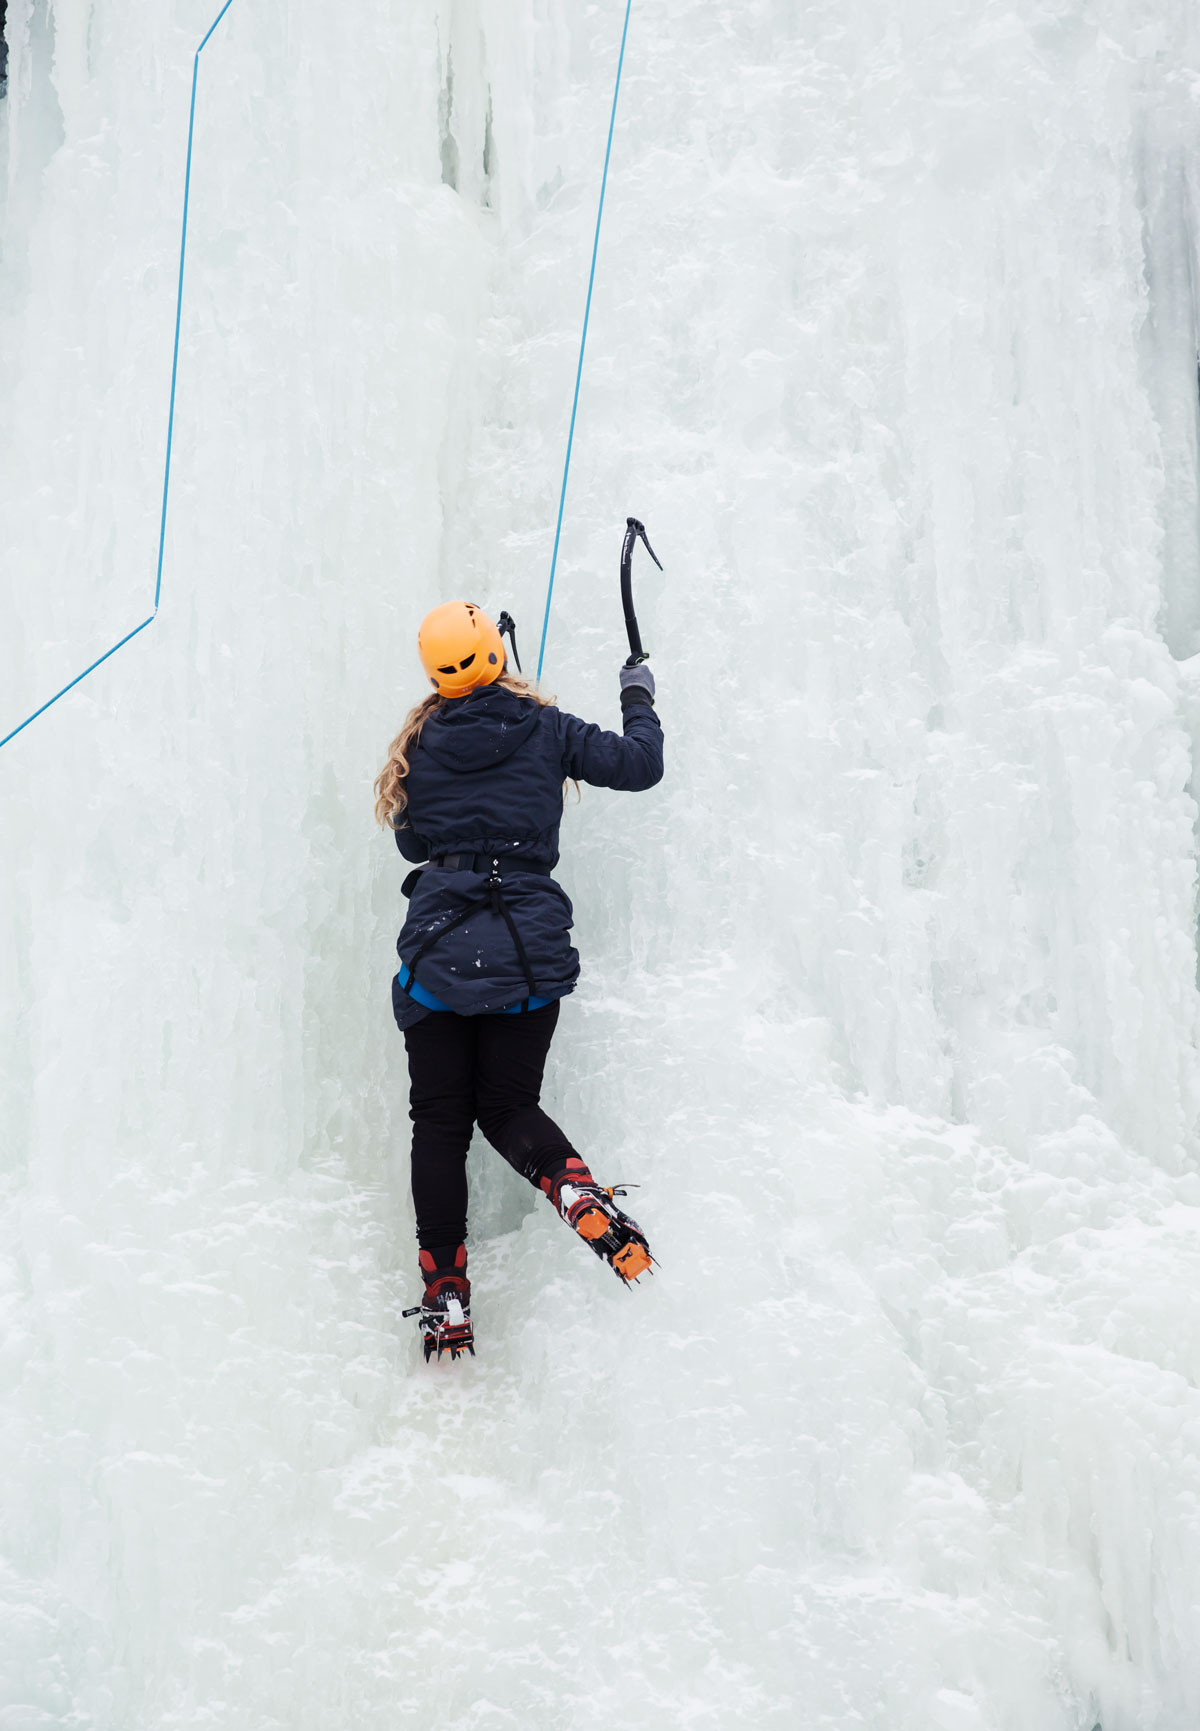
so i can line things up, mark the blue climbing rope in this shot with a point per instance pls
(562, 498)
(162, 531)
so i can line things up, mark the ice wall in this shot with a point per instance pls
(889, 998)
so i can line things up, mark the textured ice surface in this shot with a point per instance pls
(889, 997)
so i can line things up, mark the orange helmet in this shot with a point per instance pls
(460, 648)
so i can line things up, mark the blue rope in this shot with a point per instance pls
(162, 532)
(562, 498)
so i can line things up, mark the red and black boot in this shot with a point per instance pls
(445, 1310)
(589, 1209)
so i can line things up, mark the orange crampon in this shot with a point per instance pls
(590, 1210)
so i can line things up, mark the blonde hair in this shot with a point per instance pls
(391, 797)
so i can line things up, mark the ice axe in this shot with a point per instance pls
(634, 531)
(506, 625)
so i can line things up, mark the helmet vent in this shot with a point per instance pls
(447, 669)
(463, 665)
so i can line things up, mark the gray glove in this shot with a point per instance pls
(637, 677)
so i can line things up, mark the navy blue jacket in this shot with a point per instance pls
(486, 777)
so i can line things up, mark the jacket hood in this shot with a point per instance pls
(479, 730)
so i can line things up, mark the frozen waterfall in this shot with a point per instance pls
(889, 996)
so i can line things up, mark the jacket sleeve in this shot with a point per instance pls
(629, 762)
(410, 844)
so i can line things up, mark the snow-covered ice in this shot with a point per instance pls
(889, 999)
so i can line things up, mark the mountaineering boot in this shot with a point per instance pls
(589, 1209)
(445, 1310)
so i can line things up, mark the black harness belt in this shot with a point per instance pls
(482, 862)
(492, 897)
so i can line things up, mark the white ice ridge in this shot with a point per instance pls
(889, 999)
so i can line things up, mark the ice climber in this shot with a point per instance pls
(473, 790)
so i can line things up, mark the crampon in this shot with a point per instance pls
(445, 1312)
(591, 1211)
(447, 1330)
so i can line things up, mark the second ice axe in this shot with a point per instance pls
(634, 531)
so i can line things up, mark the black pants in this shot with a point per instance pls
(465, 1069)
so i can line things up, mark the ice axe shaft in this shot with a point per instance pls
(634, 531)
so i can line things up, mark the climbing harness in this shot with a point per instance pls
(479, 862)
(562, 498)
(162, 531)
(634, 532)
(492, 899)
